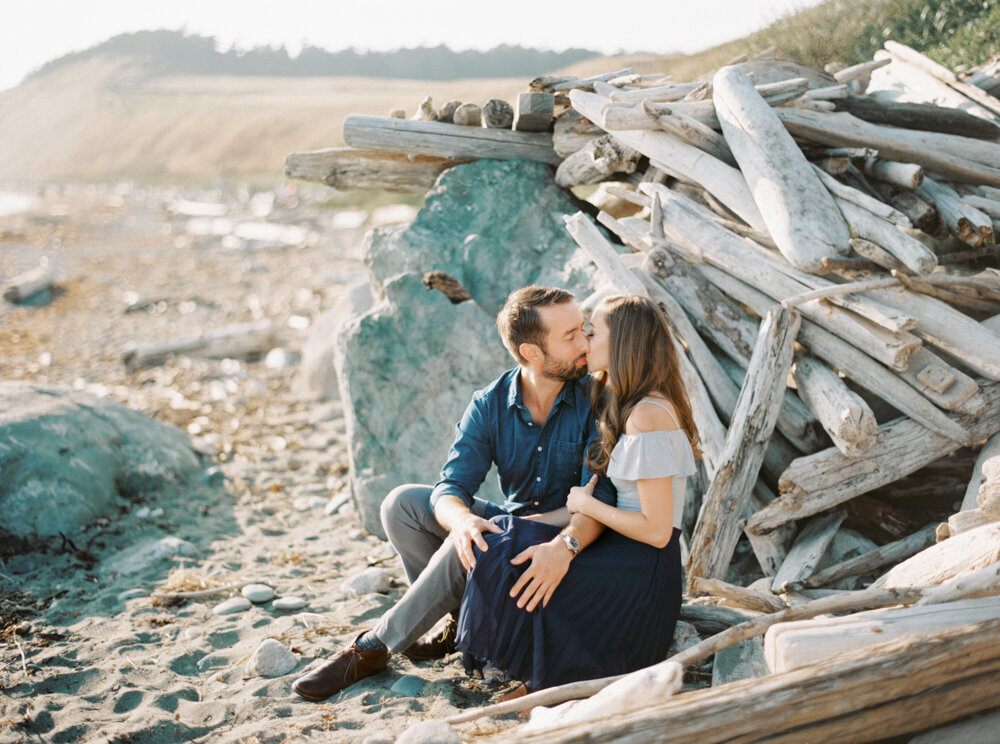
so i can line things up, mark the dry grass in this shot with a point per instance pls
(182, 580)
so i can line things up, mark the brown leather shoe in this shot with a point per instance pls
(343, 670)
(435, 646)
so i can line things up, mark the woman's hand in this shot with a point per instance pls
(581, 497)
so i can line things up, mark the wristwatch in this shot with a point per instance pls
(572, 543)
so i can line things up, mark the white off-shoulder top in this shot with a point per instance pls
(652, 454)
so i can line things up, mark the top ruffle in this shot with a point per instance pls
(652, 454)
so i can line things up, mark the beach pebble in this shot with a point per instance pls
(258, 593)
(380, 738)
(289, 603)
(371, 580)
(271, 659)
(336, 503)
(132, 594)
(147, 553)
(235, 604)
(408, 686)
(276, 359)
(304, 503)
(429, 732)
(143, 512)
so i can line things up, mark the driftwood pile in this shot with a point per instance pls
(825, 246)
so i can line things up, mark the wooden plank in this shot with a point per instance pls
(952, 558)
(808, 550)
(717, 531)
(346, 169)
(845, 417)
(450, 141)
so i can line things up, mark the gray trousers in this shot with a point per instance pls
(436, 575)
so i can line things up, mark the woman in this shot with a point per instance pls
(615, 610)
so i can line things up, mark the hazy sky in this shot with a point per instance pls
(41, 30)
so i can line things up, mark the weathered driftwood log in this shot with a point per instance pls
(234, 341)
(884, 555)
(815, 483)
(876, 254)
(568, 82)
(861, 199)
(617, 117)
(913, 57)
(938, 381)
(847, 359)
(917, 257)
(446, 140)
(346, 168)
(572, 131)
(468, 115)
(498, 114)
(922, 214)
(864, 69)
(956, 556)
(961, 159)
(844, 415)
(922, 116)
(749, 599)
(692, 131)
(905, 175)
(425, 111)
(808, 550)
(964, 521)
(989, 207)
(797, 644)
(26, 285)
(717, 531)
(664, 93)
(771, 548)
(966, 223)
(724, 181)
(596, 161)
(533, 112)
(799, 212)
(979, 730)
(899, 687)
(446, 113)
(979, 583)
(989, 453)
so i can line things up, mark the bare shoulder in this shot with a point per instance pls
(646, 417)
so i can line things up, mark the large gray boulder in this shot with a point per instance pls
(408, 366)
(67, 457)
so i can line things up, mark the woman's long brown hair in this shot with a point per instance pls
(641, 360)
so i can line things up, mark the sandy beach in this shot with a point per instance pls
(86, 653)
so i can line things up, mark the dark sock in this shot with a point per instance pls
(370, 642)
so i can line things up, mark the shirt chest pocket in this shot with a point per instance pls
(566, 458)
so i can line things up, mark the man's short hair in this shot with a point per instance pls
(518, 320)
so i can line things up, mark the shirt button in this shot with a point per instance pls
(530, 424)
(534, 503)
(539, 478)
(539, 449)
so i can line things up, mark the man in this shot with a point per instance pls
(534, 422)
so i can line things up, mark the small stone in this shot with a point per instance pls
(271, 659)
(143, 512)
(235, 604)
(371, 580)
(397, 114)
(289, 603)
(408, 686)
(498, 114)
(276, 359)
(336, 503)
(192, 633)
(380, 738)
(258, 593)
(429, 732)
(468, 114)
(447, 112)
(132, 594)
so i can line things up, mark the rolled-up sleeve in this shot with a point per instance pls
(470, 456)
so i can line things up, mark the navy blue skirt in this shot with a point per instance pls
(614, 612)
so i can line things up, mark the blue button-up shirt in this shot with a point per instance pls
(537, 463)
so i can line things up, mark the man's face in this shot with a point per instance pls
(565, 345)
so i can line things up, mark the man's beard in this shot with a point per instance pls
(563, 371)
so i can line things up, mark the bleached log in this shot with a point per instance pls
(616, 117)
(920, 116)
(771, 548)
(885, 555)
(27, 285)
(798, 644)
(913, 57)
(815, 483)
(808, 550)
(468, 115)
(982, 582)
(602, 253)
(864, 69)
(964, 521)
(876, 254)
(944, 385)
(844, 415)
(691, 131)
(956, 556)
(533, 112)
(572, 132)
(346, 168)
(989, 491)
(425, 111)
(498, 114)
(664, 93)
(970, 342)
(446, 140)
(979, 730)
(989, 207)
(861, 199)
(905, 175)
(847, 359)
(967, 223)
(234, 341)
(961, 159)
(725, 182)
(989, 450)
(799, 212)
(749, 599)
(596, 161)
(568, 82)
(911, 252)
(717, 531)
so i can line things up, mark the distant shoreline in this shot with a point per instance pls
(12, 203)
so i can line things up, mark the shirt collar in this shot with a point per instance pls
(514, 398)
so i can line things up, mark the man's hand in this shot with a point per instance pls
(581, 497)
(549, 563)
(468, 530)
